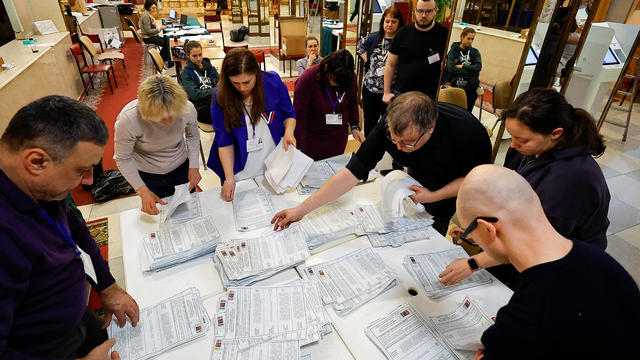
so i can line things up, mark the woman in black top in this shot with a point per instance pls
(552, 146)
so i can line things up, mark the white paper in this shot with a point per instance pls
(180, 196)
(276, 350)
(328, 223)
(395, 188)
(463, 328)
(285, 169)
(252, 209)
(45, 27)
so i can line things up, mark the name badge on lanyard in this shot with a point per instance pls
(253, 144)
(433, 57)
(333, 118)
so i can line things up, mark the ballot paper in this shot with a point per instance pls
(463, 328)
(245, 261)
(164, 326)
(320, 171)
(395, 188)
(404, 334)
(328, 223)
(45, 27)
(425, 269)
(180, 196)
(351, 280)
(231, 350)
(285, 169)
(252, 209)
(175, 244)
(383, 230)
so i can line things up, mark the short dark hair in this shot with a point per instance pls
(190, 45)
(410, 108)
(56, 124)
(149, 3)
(311, 38)
(340, 65)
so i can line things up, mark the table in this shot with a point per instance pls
(214, 53)
(348, 341)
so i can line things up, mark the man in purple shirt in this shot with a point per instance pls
(50, 147)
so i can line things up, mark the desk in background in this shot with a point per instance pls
(214, 53)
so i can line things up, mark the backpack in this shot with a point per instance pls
(240, 34)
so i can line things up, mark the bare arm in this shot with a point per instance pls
(229, 185)
(423, 195)
(459, 269)
(337, 185)
(289, 128)
(389, 72)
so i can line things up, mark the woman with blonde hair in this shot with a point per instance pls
(157, 141)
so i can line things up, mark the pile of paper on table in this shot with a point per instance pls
(245, 261)
(168, 324)
(320, 171)
(285, 169)
(252, 209)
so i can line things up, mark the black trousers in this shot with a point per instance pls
(83, 338)
(372, 107)
(164, 49)
(204, 115)
(163, 185)
(471, 90)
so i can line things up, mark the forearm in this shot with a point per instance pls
(337, 185)
(448, 191)
(389, 71)
(289, 126)
(226, 158)
(128, 169)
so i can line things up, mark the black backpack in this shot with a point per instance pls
(239, 35)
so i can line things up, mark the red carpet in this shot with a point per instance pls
(111, 104)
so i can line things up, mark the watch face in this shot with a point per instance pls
(473, 264)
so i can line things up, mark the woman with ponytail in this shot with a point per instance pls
(552, 146)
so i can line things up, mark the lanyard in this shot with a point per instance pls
(60, 229)
(250, 120)
(339, 99)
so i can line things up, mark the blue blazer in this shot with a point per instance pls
(276, 98)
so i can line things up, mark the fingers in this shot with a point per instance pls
(191, 186)
(134, 312)
(115, 356)
(277, 216)
(286, 145)
(107, 319)
(414, 188)
(160, 201)
(121, 318)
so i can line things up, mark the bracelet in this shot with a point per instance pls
(355, 127)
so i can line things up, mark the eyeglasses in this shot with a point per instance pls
(426, 11)
(473, 226)
(408, 146)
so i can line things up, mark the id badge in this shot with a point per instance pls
(88, 265)
(433, 58)
(254, 145)
(333, 119)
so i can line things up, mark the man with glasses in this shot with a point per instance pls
(313, 55)
(574, 301)
(415, 55)
(438, 143)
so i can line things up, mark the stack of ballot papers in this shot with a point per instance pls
(164, 326)
(268, 322)
(320, 171)
(285, 169)
(328, 223)
(395, 188)
(180, 207)
(406, 334)
(245, 261)
(425, 269)
(351, 280)
(252, 209)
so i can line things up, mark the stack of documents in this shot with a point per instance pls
(245, 261)
(269, 322)
(407, 334)
(395, 188)
(164, 326)
(181, 207)
(384, 230)
(328, 223)
(252, 209)
(425, 269)
(320, 171)
(285, 169)
(351, 280)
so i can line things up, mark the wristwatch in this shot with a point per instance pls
(473, 264)
(355, 127)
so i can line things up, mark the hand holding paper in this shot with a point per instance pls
(395, 187)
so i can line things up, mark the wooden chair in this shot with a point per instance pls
(259, 54)
(157, 60)
(229, 48)
(453, 95)
(145, 47)
(213, 19)
(501, 100)
(101, 56)
(89, 69)
(130, 23)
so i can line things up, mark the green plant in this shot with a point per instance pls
(442, 4)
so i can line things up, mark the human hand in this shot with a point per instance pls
(119, 303)
(422, 195)
(455, 272)
(162, 27)
(387, 98)
(364, 57)
(284, 218)
(455, 234)
(459, 66)
(228, 189)
(149, 200)
(288, 139)
(194, 177)
(312, 57)
(479, 355)
(358, 135)
(101, 352)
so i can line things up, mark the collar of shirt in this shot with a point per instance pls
(15, 195)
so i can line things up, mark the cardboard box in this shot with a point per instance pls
(294, 45)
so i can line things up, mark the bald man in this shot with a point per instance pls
(574, 301)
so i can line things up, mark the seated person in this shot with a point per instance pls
(326, 103)
(149, 31)
(574, 300)
(49, 148)
(552, 146)
(157, 141)
(464, 64)
(439, 143)
(198, 79)
(251, 112)
(313, 55)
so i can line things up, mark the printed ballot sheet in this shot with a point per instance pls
(425, 268)
(245, 261)
(271, 350)
(351, 280)
(166, 325)
(320, 171)
(328, 223)
(383, 230)
(182, 206)
(463, 328)
(404, 334)
(252, 209)
(395, 188)
(285, 169)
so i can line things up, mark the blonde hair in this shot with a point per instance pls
(160, 95)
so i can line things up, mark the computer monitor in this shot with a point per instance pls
(532, 57)
(183, 19)
(172, 14)
(610, 58)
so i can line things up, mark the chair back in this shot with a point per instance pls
(157, 59)
(135, 34)
(229, 48)
(501, 94)
(453, 95)
(76, 51)
(130, 22)
(88, 45)
(211, 18)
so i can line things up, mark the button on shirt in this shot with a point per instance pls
(43, 288)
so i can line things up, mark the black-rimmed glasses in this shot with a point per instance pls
(473, 226)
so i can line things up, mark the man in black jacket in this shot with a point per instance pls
(198, 79)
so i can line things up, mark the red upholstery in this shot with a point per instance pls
(96, 68)
(259, 55)
(229, 48)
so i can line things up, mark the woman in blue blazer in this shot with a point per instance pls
(251, 113)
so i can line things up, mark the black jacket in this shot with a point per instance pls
(199, 95)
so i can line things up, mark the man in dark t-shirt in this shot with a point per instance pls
(416, 53)
(438, 143)
(574, 301)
